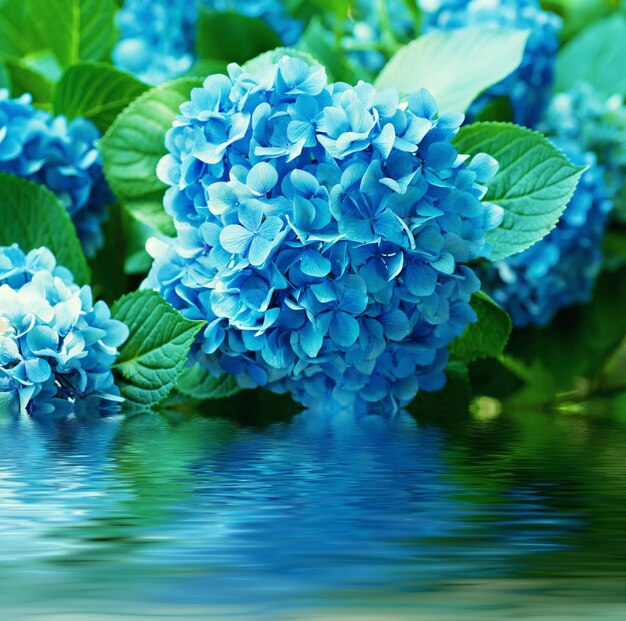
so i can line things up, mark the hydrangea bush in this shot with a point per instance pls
(56, 345)
(528, 88)
(157, 38)
(61, 155)
(595, 123)
(323, 232)
(561, 269)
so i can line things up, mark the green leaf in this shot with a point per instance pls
(75, 29)
(486, 338)
(455, 66)
(95, 91)
(17, 33)
(26, 80)
(273, 56)
(133, 146)
(5, 76)
(534, 183)
(322, 45)
(155, 354)
(205, 67)
(32, 217)
(232, 36)
(198, 383)
(596, 56)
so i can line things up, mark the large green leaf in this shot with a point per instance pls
(232, 36)
(455, 66)
(198, 383)
(597, 56)
(133, 146)
(32, 217)
(17, 33)
(95, 91)
(534, 183)
(155, 354)
(75, 29)
(487, 337)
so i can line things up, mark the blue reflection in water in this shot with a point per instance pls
(320, 510)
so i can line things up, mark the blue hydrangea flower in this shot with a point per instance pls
(60, 155)
(529, 87)
(56, 345)
(157, 38)
(597, 124)
(323, 232)
(561, 269)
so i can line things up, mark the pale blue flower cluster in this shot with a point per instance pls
(157, 38)
(60, 155)
(597, 124)
(561, 269)
(323, 232)
(56, 345)
(529, 87)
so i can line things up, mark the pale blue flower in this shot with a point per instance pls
(56, 345)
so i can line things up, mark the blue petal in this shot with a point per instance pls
(235, 239)
(344, 329)
(262, 178)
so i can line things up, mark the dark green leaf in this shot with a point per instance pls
(155, 354)
(487, 337)
(26, 80)
(133, 146)
(205, 67)
(198, 383)
(75, 29)
(455, 66)
(5, 77)
(534, 183)
(95, 91)
(32, 217)
(232, 36)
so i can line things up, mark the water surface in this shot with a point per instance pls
(314, 516)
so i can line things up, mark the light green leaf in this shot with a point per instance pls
(232, 36)
(75, 29)
(198, 383)
(95, 91)
(534, 183)
(486, 338)
(455, 66)
(155, 354)
(32, 217)
(273, 56)
(133, 146)
(597, 56)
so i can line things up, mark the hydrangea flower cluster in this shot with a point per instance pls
(561, 269)
(56, 345)
(157, 38)
(597, 124)
(60, 155)
(323, 232)
(529, 87)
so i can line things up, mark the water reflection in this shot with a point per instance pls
(203, 514)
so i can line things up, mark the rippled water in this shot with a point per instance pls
(176, 516)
